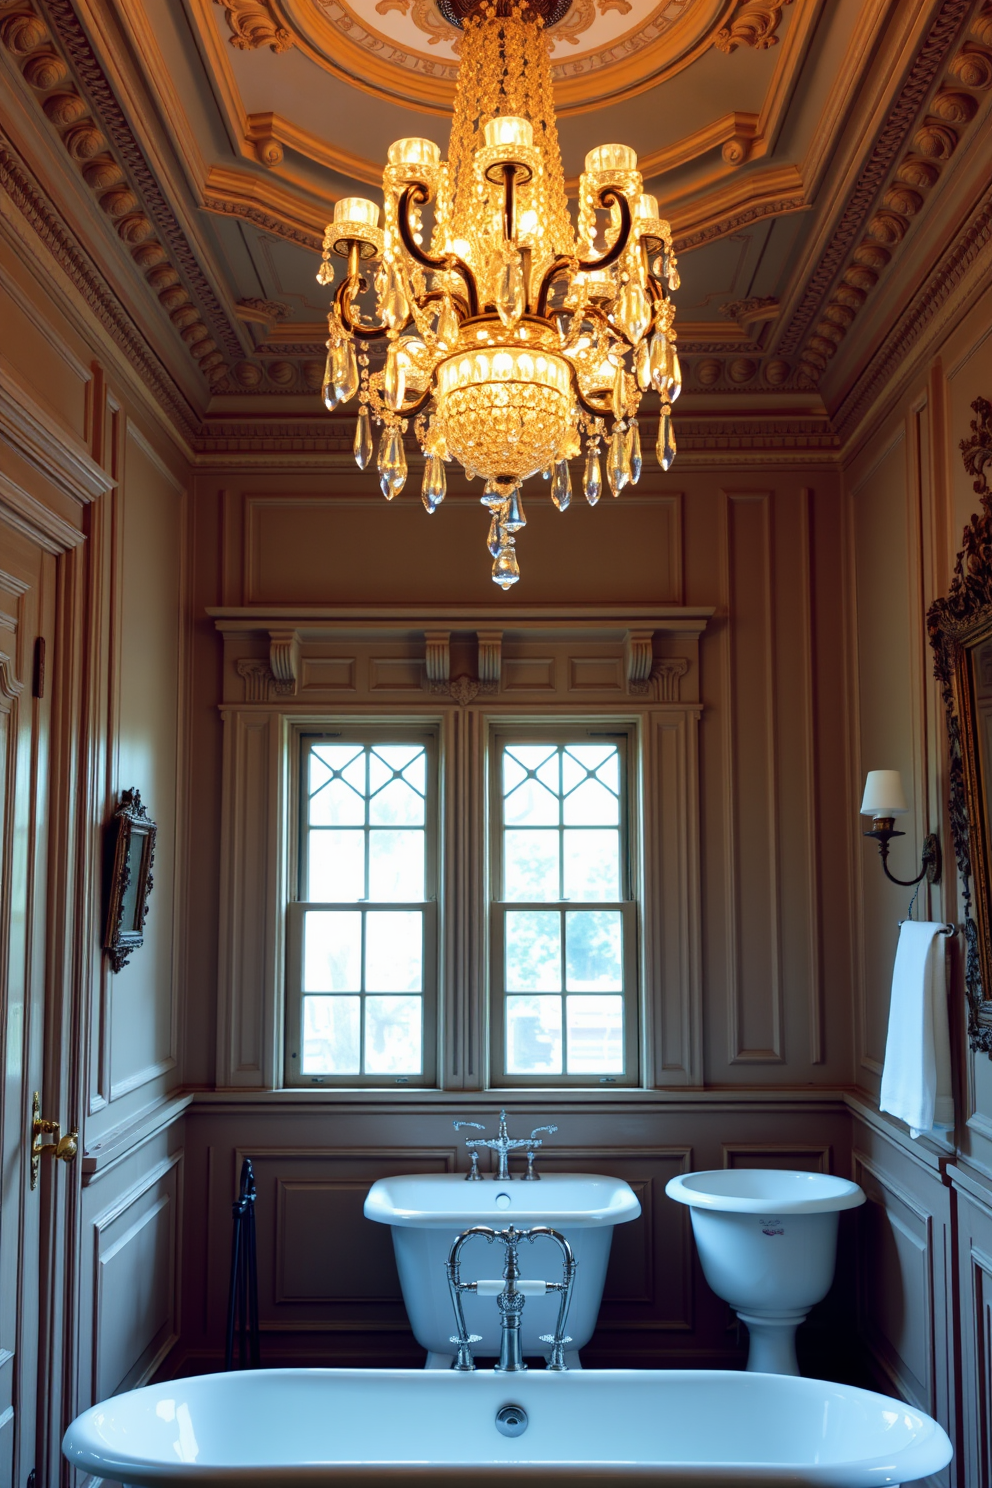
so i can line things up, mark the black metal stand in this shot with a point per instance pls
(242, 1306)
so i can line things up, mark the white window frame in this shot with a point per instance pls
(344, 731)
(563, 731)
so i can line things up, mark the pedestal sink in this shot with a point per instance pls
(427, 1211)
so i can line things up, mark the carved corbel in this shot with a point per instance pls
(754, 24)
(284, 660)
(668, 674)
(257, 675)
(490, 659)
(254, 25)
(638, 651)
(437, 660)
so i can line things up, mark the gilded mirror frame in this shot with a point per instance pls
(957, 625)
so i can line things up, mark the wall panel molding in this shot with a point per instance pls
(755, 1028)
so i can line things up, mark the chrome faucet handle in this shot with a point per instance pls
(531, 1175)
(473, 1175)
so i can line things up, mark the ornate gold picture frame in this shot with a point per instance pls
(960, 630)
(131, 851)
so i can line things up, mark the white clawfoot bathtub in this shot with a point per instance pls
(426, 1212)
(362, 1428)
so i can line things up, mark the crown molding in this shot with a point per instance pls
(26, 197)
(960, 276)
(854, 219)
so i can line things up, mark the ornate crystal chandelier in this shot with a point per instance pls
(511, 336)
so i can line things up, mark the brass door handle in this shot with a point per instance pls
(60, 1147)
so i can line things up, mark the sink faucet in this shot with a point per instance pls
(503, 1144)
(512, 1292)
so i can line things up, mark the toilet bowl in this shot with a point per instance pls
(767, 1242)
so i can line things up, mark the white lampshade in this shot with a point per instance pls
(884, 795)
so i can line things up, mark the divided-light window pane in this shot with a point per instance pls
(564, 953)
(364, 887)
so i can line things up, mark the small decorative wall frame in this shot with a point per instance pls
(960, 630)
(131, 849)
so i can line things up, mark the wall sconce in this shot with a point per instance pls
(884, 800)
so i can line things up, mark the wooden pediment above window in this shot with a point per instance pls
(560, 656)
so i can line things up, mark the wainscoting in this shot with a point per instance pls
(329, 1293)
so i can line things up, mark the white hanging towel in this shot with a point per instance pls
(916, 1076)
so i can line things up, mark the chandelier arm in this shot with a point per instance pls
(557, 268)
(607, 197)
(460, 304)
(352, 326)
(417, 195)
(409, 409)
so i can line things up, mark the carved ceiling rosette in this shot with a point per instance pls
(601, 49)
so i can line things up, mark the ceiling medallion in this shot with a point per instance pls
(508, 335)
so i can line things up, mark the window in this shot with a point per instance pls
(563, 978)
(362, 933)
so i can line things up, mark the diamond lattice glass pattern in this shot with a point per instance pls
(366, 846)
(563, 967)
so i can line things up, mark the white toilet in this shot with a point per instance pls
(767, 1241)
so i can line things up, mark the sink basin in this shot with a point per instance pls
(426, 1212)
(440, 1200)
(764, 1191)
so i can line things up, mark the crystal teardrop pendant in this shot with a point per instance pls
(492, 496)
(675, 374)
(327, 392)
(362, 445)
(494, 541)
(634, 452)
(345, 371)
(619, 398)
(659, 362)
(514, 518)
(394, 378)
(395, 308)
(510, 295)
(617, 471)
(592, 479)
(642, 365)
(447, 327)
(435, 483)
(392, 462)
(634, 312)
(506, 570)
(561, 486)
(666, 439)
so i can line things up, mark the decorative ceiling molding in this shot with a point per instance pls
(969, 258)
(754, 24)
(945, 126)
(253, 25)
(128, 197)
(26, 195)
(892, 139)
(163, 215)
(649, 46)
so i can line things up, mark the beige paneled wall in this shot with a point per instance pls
(86, 473)
(925, 1233)
(775, 808)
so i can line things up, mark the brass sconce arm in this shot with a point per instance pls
(883, 830)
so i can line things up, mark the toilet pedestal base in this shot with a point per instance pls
(773, 1341)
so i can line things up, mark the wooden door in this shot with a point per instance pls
(27, 616)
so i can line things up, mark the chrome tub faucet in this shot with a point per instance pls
(511, 1294)
(503, 1144)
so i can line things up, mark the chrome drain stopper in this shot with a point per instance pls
(511, 1420)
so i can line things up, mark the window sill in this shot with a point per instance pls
(746, 1097)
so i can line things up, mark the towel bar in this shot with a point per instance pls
(944, 929)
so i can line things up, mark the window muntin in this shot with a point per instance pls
(362, 935)
(564, 927)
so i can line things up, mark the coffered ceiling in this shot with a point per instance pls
(824, 164)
